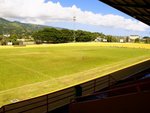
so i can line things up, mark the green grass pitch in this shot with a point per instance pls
(27, 72)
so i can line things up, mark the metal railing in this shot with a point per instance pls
(136, 88)
(60, 98)
(45, 101)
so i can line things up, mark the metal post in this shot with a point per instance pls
(138, 88)
(47, 102)
(74, 34)
(94, 85)
(109, 81)
(3, 109)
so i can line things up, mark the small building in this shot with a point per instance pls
(25, 42)
(122, 41)
(28, 43)
(9, 43)
(6, 35)
(21, 40)
(104, 40)
(133, 37)
(98, 39)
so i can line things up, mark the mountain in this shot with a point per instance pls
(9, 27)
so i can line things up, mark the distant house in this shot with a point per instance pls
(21, 40)
(25, 42)
(9, 43)
(6, 35)
(28, 43)
(133, 37)
(104, 40)
(122, 40)
(98, 39)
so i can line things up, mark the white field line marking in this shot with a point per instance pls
(21, 54)
(59, 78)
(108, 67)
(91, 71)
(26, 68)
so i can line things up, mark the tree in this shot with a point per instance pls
(52, 35)
(13, 38)
(83, 36)
(48, 35)
(146, 39)
(67, 35)
(137, 40)
(109, 38)
(1, 37)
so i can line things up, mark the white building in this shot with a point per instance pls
(133, 37)
(28, 43)
(22, 40)
(104, 40)
(9, 43)
(98, 39)
(121, 40)
(6, 35)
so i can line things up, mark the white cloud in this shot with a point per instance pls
(39, 12)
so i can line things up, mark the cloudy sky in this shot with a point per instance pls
(91, 15)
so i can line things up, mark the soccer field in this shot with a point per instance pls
(31, 71)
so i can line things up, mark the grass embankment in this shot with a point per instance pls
(31, 71)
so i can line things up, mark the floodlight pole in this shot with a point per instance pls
(74, 34)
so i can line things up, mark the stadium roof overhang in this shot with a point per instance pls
(138, 9)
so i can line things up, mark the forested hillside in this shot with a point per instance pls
(8, 27)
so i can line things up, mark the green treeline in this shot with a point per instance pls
(55, 35)
(52, 35)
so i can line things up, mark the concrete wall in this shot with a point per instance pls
(131, 103)
(57, 99)
(28, 43)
